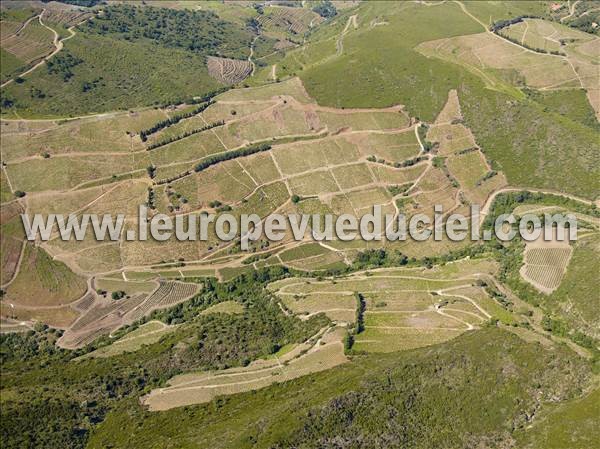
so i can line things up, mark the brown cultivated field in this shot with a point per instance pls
(228, 71)
(545, 263)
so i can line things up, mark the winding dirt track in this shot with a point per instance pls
(57, 41)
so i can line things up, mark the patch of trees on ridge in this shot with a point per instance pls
(199, 31)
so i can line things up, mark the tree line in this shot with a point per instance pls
(184, 135)
(173, 120)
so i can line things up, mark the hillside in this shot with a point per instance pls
(284, 224)
(123, 58)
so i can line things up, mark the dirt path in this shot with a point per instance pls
(252, 54)
(488, 204)
(466, 298)
(571, 10)
(340, 42)
(16, 33)
(58, 45)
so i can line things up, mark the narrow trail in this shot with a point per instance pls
(488, 204)
(571, 10)
(16, 33)
(252, 54)
(57, 42)
(340, 41)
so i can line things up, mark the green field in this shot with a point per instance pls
(107, 67)
(451, 400)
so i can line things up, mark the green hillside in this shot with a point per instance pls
(126, 58)
(476, 390)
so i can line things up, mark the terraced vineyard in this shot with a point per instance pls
(404, 309)
(545, 264)
(228, 71)
(323, 352)
(167, 294)
(286, 19)
(398, 113)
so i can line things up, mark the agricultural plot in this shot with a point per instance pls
(60, 317)
(44, 282)
(27, 43)
(167, 294)
(147, 334)
(292, 87)
(129, 287)
(11, 241)
(404, 308)
(286, 20)
(310, 257)
(497, 60)
(108, 134)
(545, 263)
(66, 17)
(228, 71)
(462, 160)
(390, 146)
(484, 51)
(224, 307)
(101, 316)
(197, 388)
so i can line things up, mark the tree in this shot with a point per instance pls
(325, 9)
(295, 199)
(118, 295)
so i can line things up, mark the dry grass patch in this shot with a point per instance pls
(230, 307)
(43, 281)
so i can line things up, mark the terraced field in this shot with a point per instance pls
(286, 20)
(343, 161)
(404, 308)
(228, 71)
(324, 351)
(545, 263)
(497, 60)
(146, 334)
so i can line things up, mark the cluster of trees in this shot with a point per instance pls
(397, 190)
(62, 63)
(85, 3)
(422, 130)
(410, 162)
(199, 31)
(498, 25)
(487, 176)
(151, 170)
(221, 157)
(189, 133)
(151, 198)
(406, 163)
(60, 401)
(144, 133)
(325, 9)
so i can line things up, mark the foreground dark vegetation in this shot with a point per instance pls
(484, 387)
